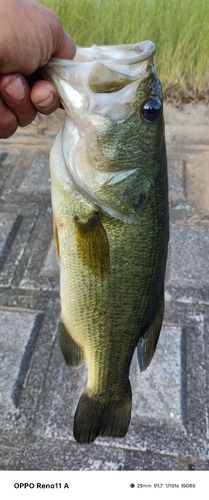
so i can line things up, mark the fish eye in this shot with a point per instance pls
(151, 110)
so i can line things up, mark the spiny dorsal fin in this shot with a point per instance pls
(72, 352)
(148, 342)
(92, 245)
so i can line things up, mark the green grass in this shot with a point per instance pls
(179, 28)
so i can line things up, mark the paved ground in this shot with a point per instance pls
(169, 428)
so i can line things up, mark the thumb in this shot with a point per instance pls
(65, 48)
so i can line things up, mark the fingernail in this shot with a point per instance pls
(15, 89)
(48, 100)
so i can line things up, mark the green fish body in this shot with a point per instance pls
(110, 205)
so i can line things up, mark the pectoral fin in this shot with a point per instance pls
(148, 342)
(72, 352)
(92, 245)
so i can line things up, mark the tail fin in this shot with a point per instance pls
(94, 418)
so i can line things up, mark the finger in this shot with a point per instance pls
(44, 97)
(15, 92)
(8, 121)
(64, 46)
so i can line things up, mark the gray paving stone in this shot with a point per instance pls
(189, 247)
(14, 249)
(197, 180)
(19, 453)
(176, 167)
(40, 270)
(18, 335)
(50, 265)
(157, 392)
(169, 428)
(6, 224)
(169, 399)
(9, 226)
(8, 157)
(38, 176)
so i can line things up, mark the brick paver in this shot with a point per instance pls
(169, 429)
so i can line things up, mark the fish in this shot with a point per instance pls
(109, 192)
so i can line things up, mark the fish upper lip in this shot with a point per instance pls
(109, 53)
(134, 61)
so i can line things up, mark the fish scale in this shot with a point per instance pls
(111, 231)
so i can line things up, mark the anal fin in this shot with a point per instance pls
(148, 342)
(72, 352)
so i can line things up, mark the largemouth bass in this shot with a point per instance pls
(110, 205)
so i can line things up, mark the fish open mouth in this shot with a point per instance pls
(117, 54)
(105, 68)
(98, 90)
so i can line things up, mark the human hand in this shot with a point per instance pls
(29, 35)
